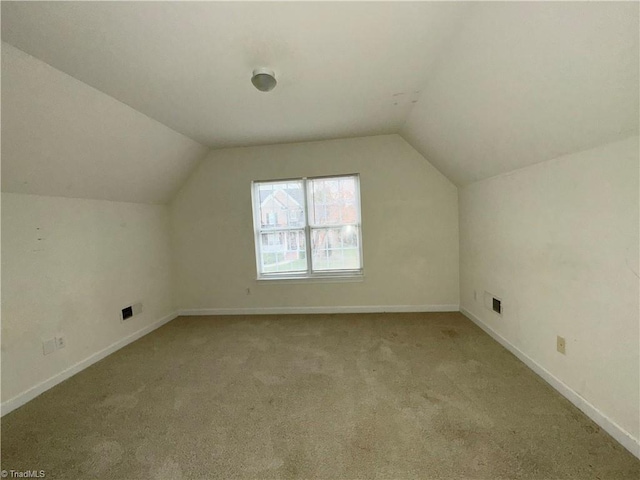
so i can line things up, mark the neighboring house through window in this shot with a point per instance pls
(308, 227)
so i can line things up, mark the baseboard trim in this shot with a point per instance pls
(31, 393)
(616, 431)
(612, 428)
(305, 310)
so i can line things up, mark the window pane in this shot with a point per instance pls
(335, 248)
(280, 204)
(333, 201)
(283, 251)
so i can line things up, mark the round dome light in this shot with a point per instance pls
(264, 79)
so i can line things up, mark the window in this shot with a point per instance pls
(308, 227)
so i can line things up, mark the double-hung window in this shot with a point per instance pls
(308, 227)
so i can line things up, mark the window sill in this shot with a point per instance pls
(316, 279)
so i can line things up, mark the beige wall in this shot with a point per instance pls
(409, 222)
(558, 242)
(68, 267)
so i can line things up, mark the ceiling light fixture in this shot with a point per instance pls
(264, 79)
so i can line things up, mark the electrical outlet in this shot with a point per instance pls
(61, 342)
(561, 345)
(248, 291)
(137, 308)
(475, 295)
(48, 346)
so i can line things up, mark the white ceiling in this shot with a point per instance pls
(61, 137)
(503, 85)
(344, 69)
(526, 82)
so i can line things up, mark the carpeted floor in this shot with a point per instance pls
(310, 396)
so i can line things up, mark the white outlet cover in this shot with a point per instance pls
(137, 308)
(60, 342)
(488, 300)
(48, 346)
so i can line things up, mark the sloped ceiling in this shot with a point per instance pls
(61, 137)
(478, 88)
(526, 82)
(344, 69)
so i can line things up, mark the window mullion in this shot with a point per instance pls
(307, 229)
(256, 223)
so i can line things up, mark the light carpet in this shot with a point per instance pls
(425, 395)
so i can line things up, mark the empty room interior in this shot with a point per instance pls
(328, 240)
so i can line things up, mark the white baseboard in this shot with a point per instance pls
(304, 310)
(616, 431)
(622, 436)
(42, 387)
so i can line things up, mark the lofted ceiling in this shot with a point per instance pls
(478, 88)
(344, 69)
(525, 82)
(61, 137)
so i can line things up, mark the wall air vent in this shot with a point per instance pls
(127, 312)
(497, 305)
(131, 310)
(493, 303)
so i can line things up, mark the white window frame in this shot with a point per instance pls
(309, 273)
